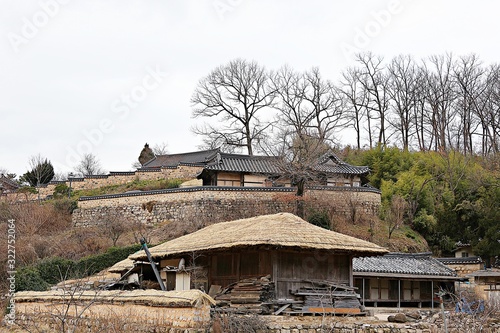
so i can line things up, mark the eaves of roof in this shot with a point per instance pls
(254, 164)
(197, 157)
(407, 276)
(419, 264)
(9, 182)
(460, 260)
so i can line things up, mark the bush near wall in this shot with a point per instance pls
(49, 271)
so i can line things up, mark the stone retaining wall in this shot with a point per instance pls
(116, 178)
(216, 204)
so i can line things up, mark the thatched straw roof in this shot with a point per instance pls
(121, 266)
(184, 298)
(283, 230)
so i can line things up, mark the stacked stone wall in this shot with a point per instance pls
(117, 178)
(211, 204)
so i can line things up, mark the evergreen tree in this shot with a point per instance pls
(41, 172)
(146, 154)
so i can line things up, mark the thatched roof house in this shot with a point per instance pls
(283, 231)
(283, 247)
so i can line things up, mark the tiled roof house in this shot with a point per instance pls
(7, 185)
(401, 278)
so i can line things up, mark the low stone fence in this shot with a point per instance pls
(215, 204)
(120, 311)
(182, 171)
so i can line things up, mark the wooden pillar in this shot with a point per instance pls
(363, 289)
(399, 294)
(432, 295)
(351, 278)
(274, 261)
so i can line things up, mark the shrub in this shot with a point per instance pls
(320, 219)
(96, 263)
(65, 205)
(28, 278)
(53, 270)
(61, 190)
(42, 275)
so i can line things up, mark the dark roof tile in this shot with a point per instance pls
(402, 263)
(245, 163)
(168, 160)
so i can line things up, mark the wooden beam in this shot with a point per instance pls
(332, 310)
(277, 312)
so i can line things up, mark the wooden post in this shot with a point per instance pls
(399, 294)
(440, 294)
(432, 295)
(363, 291)
(274, 261)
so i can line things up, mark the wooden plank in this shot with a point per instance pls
(332, 310)
(214, 290)
(331, 284)
(281, 309)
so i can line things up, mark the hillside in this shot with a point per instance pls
(429, 202)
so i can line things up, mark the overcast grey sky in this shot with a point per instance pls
(108, 76)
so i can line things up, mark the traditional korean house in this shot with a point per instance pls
(276, 259)
(487, 283)
(7, 185)
(242, 170)
(463, 265)
(401, 279)
(245, 170)
(222, 169)
(464, 262)
(462, 250)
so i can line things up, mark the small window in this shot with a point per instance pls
(465, 254)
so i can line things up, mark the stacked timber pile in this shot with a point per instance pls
(328, 297)
(247, 296)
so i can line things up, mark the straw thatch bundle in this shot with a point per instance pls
(277, 230)
(184, 298)
(121, 266)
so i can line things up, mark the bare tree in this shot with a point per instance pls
(440, 97)
(309, 110)
(89, 165)
(468, 74)
(114, 226)
(374, 82)
(488, 111)
(402, 90)
(234, 95)
(160, 149)
(307, 105)
(395, 213)
(355, 101)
